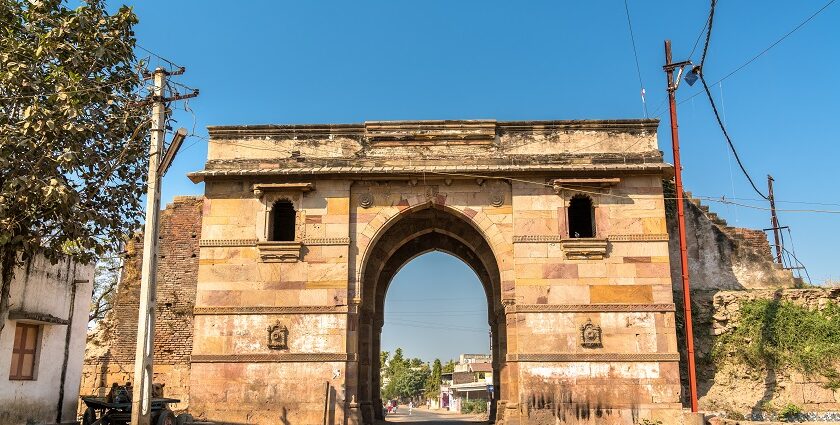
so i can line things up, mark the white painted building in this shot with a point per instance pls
(43, 342)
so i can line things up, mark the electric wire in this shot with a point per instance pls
(172, 64)
(712, 100)
(636, 56)
(760, 54)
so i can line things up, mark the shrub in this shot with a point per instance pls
(773, 334)
(474, 406)
(790, 412)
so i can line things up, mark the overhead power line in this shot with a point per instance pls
(761, 53)
(712, 100)
(636, 56)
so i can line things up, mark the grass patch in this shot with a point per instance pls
(774, 334)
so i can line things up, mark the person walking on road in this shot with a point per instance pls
(410, 407)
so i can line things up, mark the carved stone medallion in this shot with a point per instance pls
(278, 337)
(497, 199)
(366, 200)
(590, 335)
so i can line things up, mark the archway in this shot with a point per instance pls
(414, 232)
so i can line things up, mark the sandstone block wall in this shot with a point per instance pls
(734, 389)
(109, 357)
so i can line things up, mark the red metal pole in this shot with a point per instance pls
(675, 141)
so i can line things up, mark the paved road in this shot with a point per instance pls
(431, 417)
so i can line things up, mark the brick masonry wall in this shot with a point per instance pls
(109, 355)
(753, 239)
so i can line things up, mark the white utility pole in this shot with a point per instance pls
(141, 402)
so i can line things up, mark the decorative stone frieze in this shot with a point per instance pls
(210, 243)
(273, 358)
(589, 308)
(584, 248)
(279, 252)
(236, 310)
(537, 239)
(656, 237)
(593, 357)
(326, 241)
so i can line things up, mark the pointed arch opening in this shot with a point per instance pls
(413, 233)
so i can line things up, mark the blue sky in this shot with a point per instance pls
(324, 62)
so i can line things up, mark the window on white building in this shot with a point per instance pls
(24, 352)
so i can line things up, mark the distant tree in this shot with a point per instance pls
(415, 362)
(406, 382)
(397, 362)
(72, 156)
(433, 382)
(383, 358)
(449, 367)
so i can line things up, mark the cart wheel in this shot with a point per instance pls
(166, 417)
(185, 418)
(89, 417)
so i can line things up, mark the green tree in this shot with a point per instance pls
(433, 382)
(72, 161)
(449, 367)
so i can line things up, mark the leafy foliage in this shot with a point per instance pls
(433, 381)
(779, 334)
(72, 161)
(474, 406)
(790, 411)
(406, 377)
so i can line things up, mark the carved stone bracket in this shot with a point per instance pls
(584, 248)
(279, 252)
(590, 335)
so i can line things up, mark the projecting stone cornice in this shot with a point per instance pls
(477, 169)
(429, 129)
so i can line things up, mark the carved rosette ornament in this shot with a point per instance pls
(366, 200)
(278, 337)
(497, 199)
(590, 335)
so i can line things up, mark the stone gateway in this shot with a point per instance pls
(304, 226)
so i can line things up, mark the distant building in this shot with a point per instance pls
(43, 341)
(471, 380)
